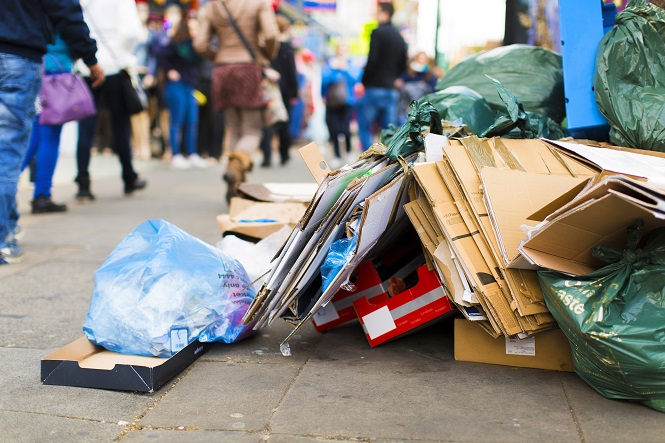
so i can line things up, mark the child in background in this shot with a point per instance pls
(419, 79)
(337, 89)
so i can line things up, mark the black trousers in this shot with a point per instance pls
(338, 121)
(109, 94)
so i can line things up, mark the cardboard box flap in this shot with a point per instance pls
(315, 162)
(651, 168)
(513, 195)
(565, 198)
(564, 244)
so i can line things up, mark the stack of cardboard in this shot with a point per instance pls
(629, 185)
(363, 201)
(488, 213)
(477, 199)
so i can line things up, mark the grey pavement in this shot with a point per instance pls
(333, 388)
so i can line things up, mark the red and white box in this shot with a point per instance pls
(384, 318)
(340, 309)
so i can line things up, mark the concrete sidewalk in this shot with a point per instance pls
(334, 387)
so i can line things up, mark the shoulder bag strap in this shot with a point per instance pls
(239, 32)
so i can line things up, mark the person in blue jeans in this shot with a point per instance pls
(176, 56)
(45, 139)
(386, 62)
(26, 27)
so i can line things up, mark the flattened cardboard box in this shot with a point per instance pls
(86, 365)
(545, 350)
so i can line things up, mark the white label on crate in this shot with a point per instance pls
(379, 322)
(325, 315)
(179, 339)
(525, 346)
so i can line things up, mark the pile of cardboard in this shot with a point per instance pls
(477, 199)
(488, 213)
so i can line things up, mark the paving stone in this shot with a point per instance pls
(190, 436)
(263, 347)
(603, 420)
(224, 396)
(412, 389)
(21, 390)
(29, 427)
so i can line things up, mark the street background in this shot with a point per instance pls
(334, 387)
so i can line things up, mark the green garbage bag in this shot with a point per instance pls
(535, 75)
(515, 122)
(410, 137)
(614, 319)
(629, 81)
(461, 103)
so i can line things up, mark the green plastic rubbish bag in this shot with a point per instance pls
(515, 122)
(535, 75)
(629, 82)
(409, 137)
(614, 319)
(461, 103)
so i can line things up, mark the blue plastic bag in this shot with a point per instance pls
(160, 289)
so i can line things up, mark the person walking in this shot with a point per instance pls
(45, 139)
(386, 62)
(285, 64)
(177, 58)
(239, 57)
(26, 28)
(337, 88)
(116, 26)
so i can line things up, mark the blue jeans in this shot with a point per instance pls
(377, 103)
(20, 82)
(45, 145)
(183, 116)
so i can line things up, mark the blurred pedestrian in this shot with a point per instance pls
(45, 139)
(26, 27)
(337, 88)
(116, 26)
(211, 121)
(419, 79)
(285, 64)
(141, 122)
(181, 64)
(386, 61)
(241, 53)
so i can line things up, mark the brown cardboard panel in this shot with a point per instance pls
(514, 195)
(465, 247)
(545, 350)
(537, 157)
(566, 242)
(526, 291)
(315, 162)
(460, 170)
(248, 218)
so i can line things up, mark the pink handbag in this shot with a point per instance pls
(65, 97)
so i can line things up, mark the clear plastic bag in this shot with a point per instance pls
(161, 288)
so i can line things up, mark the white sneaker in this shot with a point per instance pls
(180, 162)
(198, 162)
